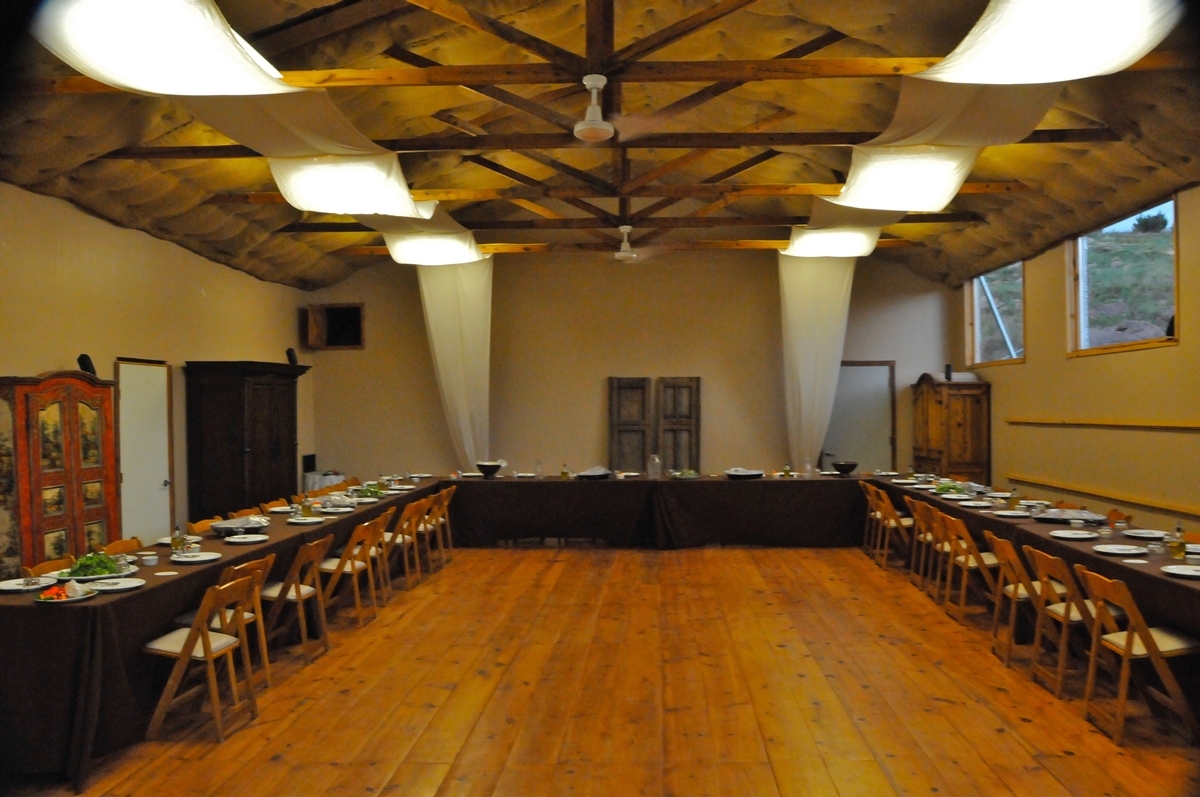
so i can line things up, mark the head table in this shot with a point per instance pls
(76, 684)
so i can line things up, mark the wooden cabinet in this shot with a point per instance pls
(59, 477)
(241, 428)
(952, 428)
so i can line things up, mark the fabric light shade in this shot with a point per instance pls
(437, 240)
(836, 242)
(179, 47)
(814, 296)
(297, 125)
(345, 184)
(1041, 41)
(923, 178)
(965, 115)
(458, 317)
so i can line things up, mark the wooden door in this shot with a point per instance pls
(678, 401)
(630, 423)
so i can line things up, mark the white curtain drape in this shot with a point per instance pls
(458, 318)
(438, 240)
(814, 296)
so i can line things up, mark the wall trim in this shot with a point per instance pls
(1115, 497)
(1139, 426)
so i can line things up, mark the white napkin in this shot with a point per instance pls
(74, 590)
(596, 470)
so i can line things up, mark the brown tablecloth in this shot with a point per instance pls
(74, 682)
(666, 513)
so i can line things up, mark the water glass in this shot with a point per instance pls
(1155, 547)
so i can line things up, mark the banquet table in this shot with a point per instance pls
(75, 683)
(821, 512)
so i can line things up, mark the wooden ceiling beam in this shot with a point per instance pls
(637, 72)
(548, 141)
(322, 22)
(680, 246)
(600, 24)
(516, 176)
(473, 19)
(655, 222)
(671, 34)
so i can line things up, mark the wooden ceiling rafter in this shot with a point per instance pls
(481, 22)
(525, 179)
(639, 49)
(323, 22)
(681, 246)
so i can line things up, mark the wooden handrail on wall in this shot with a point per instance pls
(1106, 495)
(1133, 426)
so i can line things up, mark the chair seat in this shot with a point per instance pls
(271, 591)
(425, 528)
(1059, 609)
(172, 644)
(404, 538)
(989, 560)
(331, 565)
(188, 618)
(1022, 594)
(341, 551)
(904, 521)
(1169, 641)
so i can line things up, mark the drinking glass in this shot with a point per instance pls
(1155, 547)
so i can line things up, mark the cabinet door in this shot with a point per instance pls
(52, 494)
(283, 440)
(968, 422)
(270, 436)
(96, 486)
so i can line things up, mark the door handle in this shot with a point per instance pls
(166, 482)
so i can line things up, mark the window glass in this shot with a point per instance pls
(999, 307)
(1126, 280)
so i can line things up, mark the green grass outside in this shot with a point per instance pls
(1131, 277)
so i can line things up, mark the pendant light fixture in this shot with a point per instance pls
(593, 127)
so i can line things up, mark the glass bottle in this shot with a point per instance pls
(654, 467)
(538, 472)
(1176, 544)
(178, 541)
(564, 473)
(306, 507)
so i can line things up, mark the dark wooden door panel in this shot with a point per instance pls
(678, 401)
(630, 423)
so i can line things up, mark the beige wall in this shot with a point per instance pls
(72, 283)
(1160, 385)
(562, 324)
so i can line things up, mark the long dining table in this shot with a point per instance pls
(74, 681)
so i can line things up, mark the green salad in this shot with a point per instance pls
(95, 564)
(686, 473)
(369, 491)
(952, 487)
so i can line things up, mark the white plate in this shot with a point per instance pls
(1193, 548)
(305, 521)
(1033, 503)
(886, 473)
(117, 584)
(195, 558)
(999, 495)
(1074, 534)
(280, 510)
(977, 504)
(1010, 513)
(19, 585)
(904, 481)
(366, 500)
(1144, 534)
(61, 575)
(926, 487)
(1120, 550)
(246, 539)
(337, 510)
(526, 475)
(829, 473)
(420, 475)
(472, 474)
(1182, 571)
(393, 492)
(167, 540)
(954, 496)
(90, 594)
(626, 472)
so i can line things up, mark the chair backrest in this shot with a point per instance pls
(449, 493)
(358, 547)
(244, 513)
(1049, 569)
(123, 546)
(920, 517)
(201, 526)
(1115, 515)
(890, 515)
(257, 569)
(304, 571)
(353, 481)
(963, 544)
(48, 566)
(236, 595)
(384, 521)
(298, 499)
(1012, 569)
(1065, 505)
(412, 517)
(278, 503)
(1104, 591)
(869, 493)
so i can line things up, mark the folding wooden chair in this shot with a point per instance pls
(1066, 608)
(1065, 505)
(939, 566)
(1137, 642)
(404, 538)
(922, 542)
(228, 604)
(354, 561)
(278, 503)
(48, 566)
(965, 556)
(1013, 585)
(426, 531)
(201, 526)
(257, 570)
(893, 528)
(130, 545)
(435, 524)
(303, 583)
(380, 552)
(298, 499)
(441, 510)
(244, 513)
(871, 525)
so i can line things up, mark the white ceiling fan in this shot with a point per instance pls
(625, 253)
(593, 127)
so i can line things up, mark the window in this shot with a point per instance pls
(996, 316)
(1125, 282)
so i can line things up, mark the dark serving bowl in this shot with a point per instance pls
(488, 469)
(845, 468)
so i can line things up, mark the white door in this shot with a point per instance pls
(144, 405)
(860, 429)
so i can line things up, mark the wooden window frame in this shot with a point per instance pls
(1074, 298)
(971, 325)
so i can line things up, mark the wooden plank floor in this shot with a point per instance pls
(774, 672)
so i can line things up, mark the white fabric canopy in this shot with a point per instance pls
(284, 125)
(965, 115)
(181, 47)
(814, 296)
(438, 240)
(458, 317)
(922, 177)
(345, 184)
(1049, 41)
